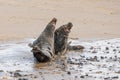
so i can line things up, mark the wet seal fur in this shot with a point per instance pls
(43, 46)
(61, 38)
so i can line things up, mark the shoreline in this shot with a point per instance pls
(70, 38)
(73, 35)
(98, 58)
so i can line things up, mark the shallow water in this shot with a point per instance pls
(17, 62)
(17, 55)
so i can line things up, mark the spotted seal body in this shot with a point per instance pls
(43, 46)
(61, 38)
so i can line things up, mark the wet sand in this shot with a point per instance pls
(91, 18)
(100, 60)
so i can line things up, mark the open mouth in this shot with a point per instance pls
(68, 28)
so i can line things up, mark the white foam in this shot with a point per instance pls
(12, 52)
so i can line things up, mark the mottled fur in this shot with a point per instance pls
(61, 38)
(43, 46)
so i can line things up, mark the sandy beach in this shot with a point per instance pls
(96, 26)
(91, 18)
